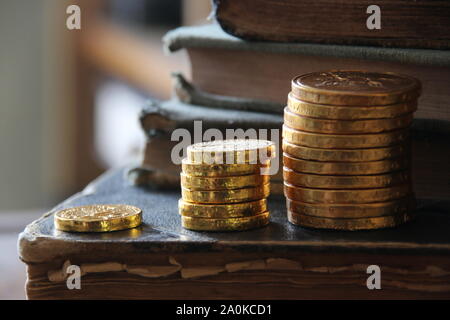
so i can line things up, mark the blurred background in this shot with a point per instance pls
(69, 100)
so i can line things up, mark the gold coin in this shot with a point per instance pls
(231, 151)
(362, 210)
(223, 183)
(344, 141)
(355, 88)
(222, 170)
(98, 218)
(348, 224)
(221, 211)
(226, 196)
(345, 126)
(345, 196)
(346, 155)
(230, 224)
(345, 182)
(323, 111)
(346, 168)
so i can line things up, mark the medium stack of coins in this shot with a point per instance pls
(224, 185)
(346, 149)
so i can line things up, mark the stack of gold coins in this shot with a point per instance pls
(346, 149)
(224, 185)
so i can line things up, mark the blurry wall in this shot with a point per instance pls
(46, 92)
(36, 111)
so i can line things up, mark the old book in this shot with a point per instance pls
(159, 120)
(430, 156)
(402, 23)
(260, 72)
(161, 260)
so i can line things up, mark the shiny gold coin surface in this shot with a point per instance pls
(344, 141)
(345, 126)
(98, 218)
(346, 155)
(222, 170)
(322, 111)
(346, 168)
(362, 210)
(226, 196)
(223, 183)
(230, 224)
(348, 224)
(355, 88)
(222, 211)
(232, 151)
(345, 196)
(345, 182)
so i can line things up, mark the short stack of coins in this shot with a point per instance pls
(346, 150)
(224, 185)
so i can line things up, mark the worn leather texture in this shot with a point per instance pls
(161, 230)
(212, 36)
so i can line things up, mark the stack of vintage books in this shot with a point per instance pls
(236, 83)
(243, 84)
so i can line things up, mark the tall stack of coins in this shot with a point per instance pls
(346, 149)
(224, 185)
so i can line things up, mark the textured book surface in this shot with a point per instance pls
(159, 120)
(212, 36)
(160, 259)
(224, 65)
(402, 23)
(175, 114)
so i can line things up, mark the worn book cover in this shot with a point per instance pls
(261, 72)
(385, 23)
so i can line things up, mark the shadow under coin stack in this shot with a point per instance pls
(346, 150)
(224, 185)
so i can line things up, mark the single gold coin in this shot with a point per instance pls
(344, 141)
(345, 196)
(98, 218)
(322, 111)
(346, 168)
(345, 126)
(230, 224)
(362, 210)
(226, 196)
(232, 151)
(348, 224)
(355, 88)
(222, 211)
(223, 183)
(346, 155)
(299, 179)
(222, 170)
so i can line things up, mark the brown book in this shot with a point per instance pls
(403, 23)
(161, 260)
(260, 73)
